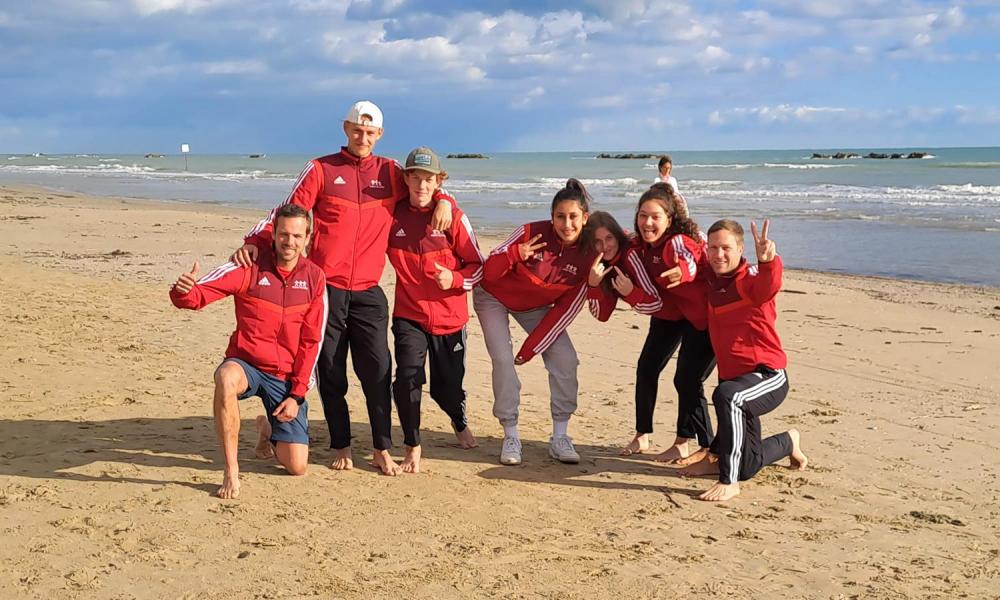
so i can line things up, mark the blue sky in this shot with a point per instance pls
(254, 76)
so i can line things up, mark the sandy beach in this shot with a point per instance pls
(108, 458)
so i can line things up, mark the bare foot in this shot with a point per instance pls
(411, 463)
(639, 444)
(264, 448)
(798, 458)
(674, 453)
(383, 462)
(695, 457)
(465, 438)
(720, 492)
(706, 466)
(230, 485)
(342, 459)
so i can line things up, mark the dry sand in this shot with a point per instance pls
(108, 457)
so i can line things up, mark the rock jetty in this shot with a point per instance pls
(479, 156)
(627, 156)
(875, 155)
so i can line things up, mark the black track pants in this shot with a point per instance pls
(447, 366)
(358, 320)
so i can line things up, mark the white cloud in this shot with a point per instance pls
(615, 101)
(234, 67)
(528, 98)
(149, 7)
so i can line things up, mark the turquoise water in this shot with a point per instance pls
(935, 219)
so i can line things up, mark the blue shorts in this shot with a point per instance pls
(272, 392)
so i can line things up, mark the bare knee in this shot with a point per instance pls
(294, 457)
(230, 379)
(297, 468)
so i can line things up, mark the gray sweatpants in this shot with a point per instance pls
(560, 359)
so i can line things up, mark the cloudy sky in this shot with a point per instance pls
(255, 76)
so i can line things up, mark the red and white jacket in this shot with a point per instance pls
(556, 275)
(741, 318)
(645, 297)
(687, 253)
(280, 319)
(352, 200)
(414, 248)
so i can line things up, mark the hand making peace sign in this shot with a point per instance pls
(765, 247)
(527, 249)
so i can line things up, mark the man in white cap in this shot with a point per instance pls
(352, 195)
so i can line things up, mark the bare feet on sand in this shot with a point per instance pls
(230, 485)
(342, 459)
(695, 457)
(675, 452)
(798, 458)
(639, 444)
(264, 448)
(465, 438)
(411, 463)
(709, 465)
(720, 492)
(384, 463)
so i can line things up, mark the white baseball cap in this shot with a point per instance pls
(365, 113)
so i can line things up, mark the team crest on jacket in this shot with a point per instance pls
(436, 233)
(375, 183)
(656, 260)
(263, 281)
(571, 269)
(300, 284)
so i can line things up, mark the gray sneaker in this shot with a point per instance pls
(510, 451)
(561, 448)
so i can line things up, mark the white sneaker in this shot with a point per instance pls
(561, 448)
(510, 451)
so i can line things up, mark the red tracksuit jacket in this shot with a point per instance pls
(556, 275)
(352, 200)
(689, 254)
(279, 320)
(645, 298)
(413, 249)
(741, 318)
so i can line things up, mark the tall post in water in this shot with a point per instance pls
(184, 150)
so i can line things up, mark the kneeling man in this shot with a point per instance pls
(751, 362)
(280, 304)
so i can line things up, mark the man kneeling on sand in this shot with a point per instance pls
(751, 362)
(280, 304)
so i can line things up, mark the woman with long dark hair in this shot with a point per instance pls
(539, 277)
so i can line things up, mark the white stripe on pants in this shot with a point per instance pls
(560, 359)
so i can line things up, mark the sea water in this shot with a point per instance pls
(936, 218)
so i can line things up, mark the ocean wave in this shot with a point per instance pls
(810, 166)
(525, 204)
(969, 188)
(557, 181)
(709, 182)
(114, 168)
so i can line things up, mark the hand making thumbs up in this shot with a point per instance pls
(765, 247)
(444, 277)
(186, 281)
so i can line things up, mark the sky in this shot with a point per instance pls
(228, 76)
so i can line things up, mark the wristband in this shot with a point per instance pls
(300, 400)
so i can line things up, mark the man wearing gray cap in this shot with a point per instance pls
(352, 195)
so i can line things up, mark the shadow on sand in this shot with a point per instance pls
(122, 450)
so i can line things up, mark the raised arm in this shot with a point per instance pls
(194, 294)
(764, 281)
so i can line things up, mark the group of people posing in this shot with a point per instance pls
(298, 315)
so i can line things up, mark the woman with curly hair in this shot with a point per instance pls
(671, 251)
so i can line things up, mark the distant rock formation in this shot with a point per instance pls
(258, 156)
(837, 156)
(875, 155)
(479, 156)
(151, 155)
(627, 156)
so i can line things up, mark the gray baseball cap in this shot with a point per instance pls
(423, 158)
